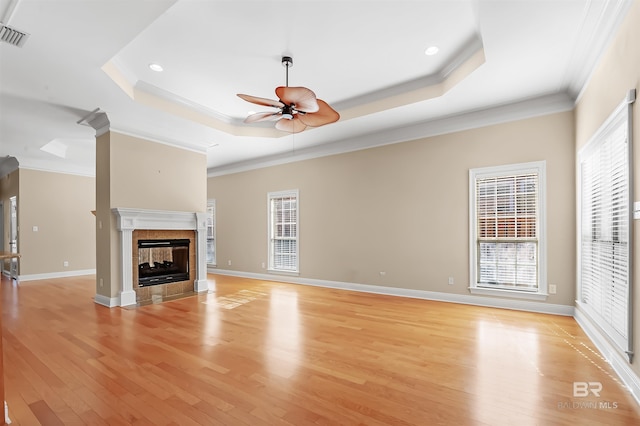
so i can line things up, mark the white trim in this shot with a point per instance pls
(281, 272)
(540, 168)
(531, 295)
(8, 165)
(280, 194)
(109, 302)
(128, 219)
(472, 119)
(168, 96)
(211, 202)
(97, 120)
(465, 299)
(64, 169)
(158, 139)
(50, 275)
(586, 63)
(613, 356)
(623, 112)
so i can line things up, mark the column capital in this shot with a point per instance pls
(98, 120)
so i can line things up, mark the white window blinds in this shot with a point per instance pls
(507, 230)
(211, 232)
(605, 215)
(283, 231)
(507, 236)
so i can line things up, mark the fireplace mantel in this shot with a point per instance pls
(128, 220)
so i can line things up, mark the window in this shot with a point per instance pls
(283, 231)
(507, 230)
(605, 223)
(211, 232)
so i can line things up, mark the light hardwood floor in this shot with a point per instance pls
(268, 353)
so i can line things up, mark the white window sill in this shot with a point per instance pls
(508, 293)
(282, 272)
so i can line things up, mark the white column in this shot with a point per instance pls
(201, 283)
(127, 295)
(126, 225)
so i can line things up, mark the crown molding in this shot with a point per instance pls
(584, 63)
(520, 110)
(65, 169)
(8, 165)
(157, 139)
(97, 120)
(465, 61)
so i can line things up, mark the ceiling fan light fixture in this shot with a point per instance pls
(287, 112)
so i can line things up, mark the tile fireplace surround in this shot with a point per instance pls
(128, 220)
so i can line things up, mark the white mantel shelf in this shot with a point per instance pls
(128, 220)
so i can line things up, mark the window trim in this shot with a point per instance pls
(270, 260)
(212, 202)
(538, 167)
(622, 113)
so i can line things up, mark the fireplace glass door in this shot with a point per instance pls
(162, 261)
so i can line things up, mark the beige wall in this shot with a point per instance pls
(150, 175)
(402, 209)
(9, 187)
(104, 220)
(59, 205)
(136, 173)
(617, 73)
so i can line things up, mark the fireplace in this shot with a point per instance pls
(139, 224)
(163, 261)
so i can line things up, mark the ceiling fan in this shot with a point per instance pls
(298, 107)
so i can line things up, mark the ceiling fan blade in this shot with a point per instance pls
(325, 115)
(291, 126)
(261, 101)
(304, 99)
(263, 116)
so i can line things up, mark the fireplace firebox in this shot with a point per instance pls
(162, 261)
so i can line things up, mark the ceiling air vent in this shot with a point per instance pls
(12, 36)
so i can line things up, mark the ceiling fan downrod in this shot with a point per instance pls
(287, 62)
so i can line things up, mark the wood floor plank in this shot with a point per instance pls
(45, 414)
(268, 353)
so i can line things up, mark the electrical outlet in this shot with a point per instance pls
(101, 282)
(383, 273)
(264, 265)
(65, 263)
(552, 289)
(229, 262)
(450, 280)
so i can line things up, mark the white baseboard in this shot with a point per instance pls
(51, 275)
(613, 356)
(109, 302)
(466, 299)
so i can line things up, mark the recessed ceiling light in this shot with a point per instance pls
(156, 67)
(430, 51)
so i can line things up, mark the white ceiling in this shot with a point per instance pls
(498, 60)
